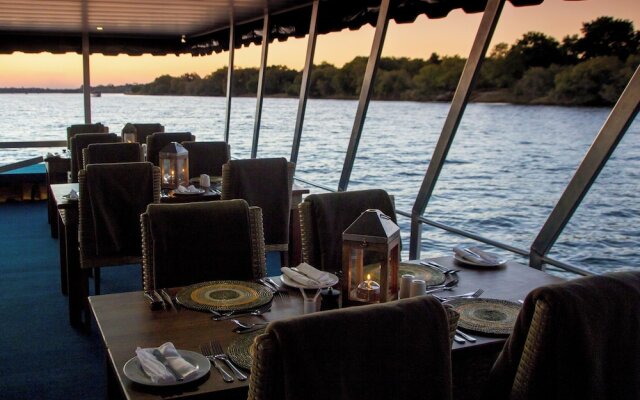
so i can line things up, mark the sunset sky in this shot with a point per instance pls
(448, 36)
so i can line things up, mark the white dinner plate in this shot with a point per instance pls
(477, 264)
(133, 370)
(290, 282)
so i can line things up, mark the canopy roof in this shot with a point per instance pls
(197, 27)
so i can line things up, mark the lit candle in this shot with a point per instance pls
(368, 290)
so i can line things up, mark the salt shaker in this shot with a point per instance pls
(405, 286)
(205, 181)
(418, 288)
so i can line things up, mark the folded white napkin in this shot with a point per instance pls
(190, 189)
(308, 276)
(156, 371)
(482, 256)
(73, 195)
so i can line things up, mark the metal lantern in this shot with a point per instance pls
(174, 165)
(129, 137)
(370, 259)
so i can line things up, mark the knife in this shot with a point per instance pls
(165, 362)
(168, 299)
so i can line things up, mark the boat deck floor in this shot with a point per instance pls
(42, 356)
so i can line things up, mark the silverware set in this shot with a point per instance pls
(214, 353)
(218, 316)
(161, 300)
(277, 290)
(461, 337)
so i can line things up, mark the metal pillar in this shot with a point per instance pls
(619, 120)
(86, 78)
(260, 93)
(86, 74)
(365, 93)
(458, 105)
(306, 82)
(227, 118)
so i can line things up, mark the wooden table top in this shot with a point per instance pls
(125, 321)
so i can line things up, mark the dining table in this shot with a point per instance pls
(126, 321)
(74, 280)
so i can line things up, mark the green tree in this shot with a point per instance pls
(536, 84)
(538, 50)
(607, 36)
(591, 82)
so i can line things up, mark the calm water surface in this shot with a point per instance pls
(506, 169)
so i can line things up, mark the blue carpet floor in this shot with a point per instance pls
(42, 356)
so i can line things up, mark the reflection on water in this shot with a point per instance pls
(505, 171)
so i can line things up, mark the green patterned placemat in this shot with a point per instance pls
(238, 350)
(493, 316)
(224, 296)
(430, 275)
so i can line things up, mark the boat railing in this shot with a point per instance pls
(27, 145)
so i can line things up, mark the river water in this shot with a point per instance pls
(506, 169)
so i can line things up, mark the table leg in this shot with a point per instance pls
(63, 255)
(78, 279)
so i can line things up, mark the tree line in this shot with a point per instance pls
(590, 68)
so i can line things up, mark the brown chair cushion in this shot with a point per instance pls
(157, 141)
(84, 128)
(81, 141)
(207, 157)
(334, 212)
(264, 183)
(396, 350)
(590, 341)
(198, 242)
(103, 153)
(118, 194)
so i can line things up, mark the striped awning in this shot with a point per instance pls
(197, 27)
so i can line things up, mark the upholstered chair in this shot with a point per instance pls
(395, 350)
(264, 183)
(207, 157)
(81, 141)
(84, 128)
(105, 153)
(111, 199)
(574, 340)
(183, 244)
(324, 216)
(157, 141)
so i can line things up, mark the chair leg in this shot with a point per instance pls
(284, 258)
(96, 281)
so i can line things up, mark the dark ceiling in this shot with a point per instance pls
(158, 26)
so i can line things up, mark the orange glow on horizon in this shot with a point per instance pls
(448, 36)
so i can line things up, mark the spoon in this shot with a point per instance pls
(247, 325)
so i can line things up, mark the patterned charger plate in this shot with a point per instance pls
(493, 316)
(239, 352)
(430, 275)
(224, 296)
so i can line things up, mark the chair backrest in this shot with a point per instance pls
(395, 350)
(207, 157)
(111, 199)
(323, 218)
(189, 243)
(81, 141)
(84, 128)
(142, 130)
(264, 183)
(105, 153)
(574, 340)
(157, 141)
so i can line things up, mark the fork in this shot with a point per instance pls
(439, 267)
(477, 293)
(207, 351)
(220, 355)
(221, 317)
